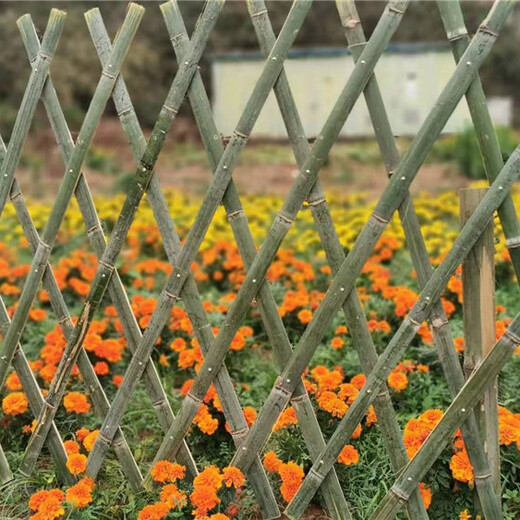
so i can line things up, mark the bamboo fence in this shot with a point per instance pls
(482, 362)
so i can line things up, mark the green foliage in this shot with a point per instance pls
(464, 151)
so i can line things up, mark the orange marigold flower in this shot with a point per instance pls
(80, 495)
(13, 382)
(331, 403)
(233, 477)
(15, 403)
(464, 515)
(71, 447)
(90, 439)
(203, 499)
(249, 415)
(76, 402)
(77, 463)
(349, 455)
(305, 316)
(172, 496)
(371, 416)
(287, 418)
(155, 511)
(461, 467)
(348, 392)
(271, 462)
(426, 494)
(37, 314)
(101, 368)
(117, 380)
(166, 471)
(82, 433)
(337, 343)
(292, 477)
(397, 381)
(359, 381)
(38, 498)
(209, 477)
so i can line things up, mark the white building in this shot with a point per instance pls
(410, 76)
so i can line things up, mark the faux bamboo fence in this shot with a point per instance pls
(470, 53)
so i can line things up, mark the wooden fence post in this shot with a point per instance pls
(478, 285)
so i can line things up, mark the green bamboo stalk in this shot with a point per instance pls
(67, 187)
(271, 319)
(356, 321)
(442, 333)
(443, 433)
(256, 274)
(224, 385)
(86, 133)
(97, 240)
(119, 233)
(28, 105)
(478, 285)
(171, 293)
(489, 146)
(391, 199)
(406, 332)
(98, 396)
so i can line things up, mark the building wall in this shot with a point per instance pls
(410, 83)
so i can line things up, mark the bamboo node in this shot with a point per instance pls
(44, 56)
(44, 245)
(399, 493)
(235, 214)
(316, 202)
(125, 110)
(175, 39)
(240, 135)
(380, 219)
(284, 218)
(94, 229)
(486, 30)
(300, 398)
(237, 434)
(16, 195)
(513, 242)
(170, 109)
(395, 10)
(259, 13)
(482, 477)
(457, 34)
(193, 398)
(415, 323)
(110, 267)
(512, 337)
(437, 323)
(108, 75)
(170, 295)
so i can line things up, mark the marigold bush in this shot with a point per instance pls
(299, 278)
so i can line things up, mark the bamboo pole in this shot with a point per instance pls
(28, 106)
(333, 495)
(457, 33)
(223, 384)
(443, 433)
(406, 332)
(86, 133)
(171, 293)
(391, 199)
(478, 284)
(256, 274)
(354, 314)
(96, 237)
(441, 330)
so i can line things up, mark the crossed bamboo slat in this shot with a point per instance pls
(276, 332)
(227, 396)
(443, 338)
(116, 290)
(366, 240)
(174, 285)
(256, 274)
(166, 117)
(355, 317)
(465, 81)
